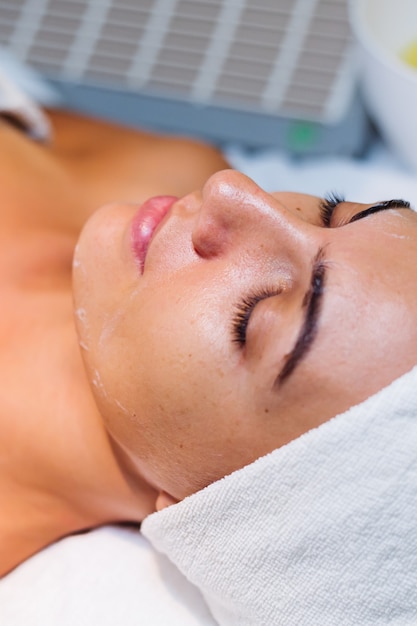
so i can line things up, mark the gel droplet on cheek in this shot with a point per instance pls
(98, 383)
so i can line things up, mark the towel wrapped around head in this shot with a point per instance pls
(322, 531)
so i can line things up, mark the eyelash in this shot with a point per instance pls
(327, 206)
(332, 200)
(388, 204)
(243, 312)
(245, 307)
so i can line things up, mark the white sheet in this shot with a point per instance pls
(379, 176)
(112, 576)
(109, 577)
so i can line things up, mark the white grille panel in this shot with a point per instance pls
(283, 57)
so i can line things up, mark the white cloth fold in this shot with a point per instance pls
(322, 531)
(21, 89)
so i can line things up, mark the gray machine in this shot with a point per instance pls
(263, 72)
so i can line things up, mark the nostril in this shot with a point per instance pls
(209, 238)
(231, 206)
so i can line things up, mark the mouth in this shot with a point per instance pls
(144, 224)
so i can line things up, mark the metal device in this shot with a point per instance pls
(262, 72)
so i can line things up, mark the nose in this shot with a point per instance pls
(235, 213)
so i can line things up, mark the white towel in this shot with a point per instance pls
(322, 531)
(21, 89)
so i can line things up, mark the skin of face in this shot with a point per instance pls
(184, 403)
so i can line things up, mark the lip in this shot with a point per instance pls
(145, 221)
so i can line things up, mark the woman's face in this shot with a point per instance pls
(220, 330)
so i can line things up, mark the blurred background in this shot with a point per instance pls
(261, 72)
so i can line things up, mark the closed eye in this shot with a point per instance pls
(330, 202)
(382, 206)
(243, 312)
(328, 205)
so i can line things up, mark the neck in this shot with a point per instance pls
(32, 520)
(68, 478)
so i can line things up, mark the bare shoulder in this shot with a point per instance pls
(184, 162)
(92, 162)
(169, 163)
(110, 162)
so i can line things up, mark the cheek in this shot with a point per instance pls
(102, 270)
(147, 353)
(182, 417)
(160, 365)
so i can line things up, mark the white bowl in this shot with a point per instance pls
(384, 29)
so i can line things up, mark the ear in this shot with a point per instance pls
(163, 500)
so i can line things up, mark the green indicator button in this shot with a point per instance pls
(302, 135)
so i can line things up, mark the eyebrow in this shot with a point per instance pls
(312, 304)
(381, 206)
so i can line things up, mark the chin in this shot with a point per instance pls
(103, 270)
